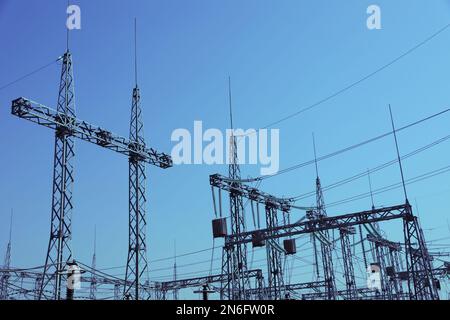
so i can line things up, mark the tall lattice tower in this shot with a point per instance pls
(59, 251)
(326, 245)
(93, 284)
(137, 247)
(176, 291)
(421, 284)
(234, 258)
(4, 277)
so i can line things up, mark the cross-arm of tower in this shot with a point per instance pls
(40, 114)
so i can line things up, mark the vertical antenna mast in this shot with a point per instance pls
(93, 285)
(398, 155)
(95, 240)
(370, 189)
(135, 51)
(137, 251)
(315, 155)
(230, 102)
(10, 225)
(175, 291)
(67, 30)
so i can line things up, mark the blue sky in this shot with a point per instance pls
(281, 55)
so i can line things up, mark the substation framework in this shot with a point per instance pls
(67, 128)
(406, 269)
(418, 280)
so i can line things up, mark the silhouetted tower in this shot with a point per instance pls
(59, 251)
(137, 248)
(4, 279)
(421, 284)
(349, 273)
(175, 291)
(234, 259)
(326, 245)
(67, 127)
(93, 285)
(274, 256)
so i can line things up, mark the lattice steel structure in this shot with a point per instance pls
(418, 261)
(418, 274)
(59, 250)
(234, 257)
(326, 245)
(93, 284)
(274, 256)
(347, 258)
(4, 276)
(137, 250)
(67, 127)
(175, 285)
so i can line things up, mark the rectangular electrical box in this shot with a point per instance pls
(257, 239)
(290, 246)
(219, 227)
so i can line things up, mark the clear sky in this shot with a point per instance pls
(281, 56)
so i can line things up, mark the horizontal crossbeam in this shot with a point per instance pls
(229, 185)
(199, 281)
(326, 223)
(64, 124)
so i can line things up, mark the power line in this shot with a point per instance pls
(29, 74)
(375, 169)
(360, 144)
(353, 84)
(419, 178)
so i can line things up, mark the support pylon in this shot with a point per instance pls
(274, 257)
(349, 273)
(93, 284)
(235, 256)
(4, 276)
(137, 248)
(418, 261)
(137, 244)
(326, 245)
(59, 251)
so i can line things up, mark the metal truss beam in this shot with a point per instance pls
(327, 223)
(137, 249)
(274, 258)
(47, 117)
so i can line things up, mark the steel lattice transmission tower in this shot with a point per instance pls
(349, 273)
(421, 283)
(234, 258)
(59, 251)
(326, 245)
(274, 257)
(93, 284)
(137, 250)
(67, 127)
(137, 245)
(4, 276)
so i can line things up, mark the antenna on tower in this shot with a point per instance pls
(67, 31)
(370, 189)
(315, 155)
(10, 225)
(135, 51)
(95, 239)
(398, 155)
(175, 292)
(230, 102)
